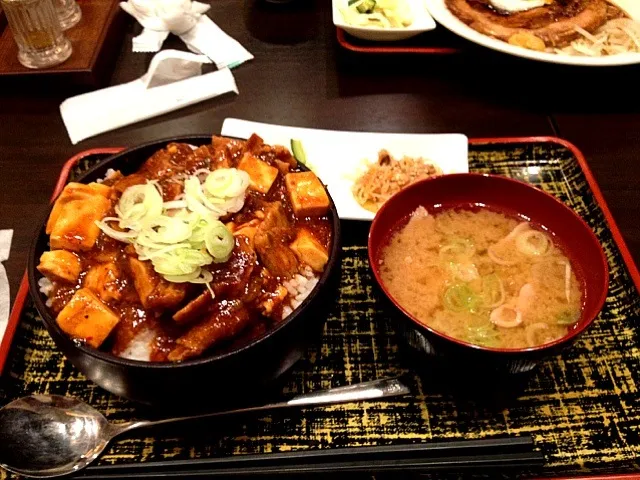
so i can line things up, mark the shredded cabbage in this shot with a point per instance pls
(181, 236)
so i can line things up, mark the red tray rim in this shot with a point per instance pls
(388, 48)
(23, 291)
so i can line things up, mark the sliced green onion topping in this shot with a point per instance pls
(226, 183)
(481, 332)
(568, 317)
(532, 243)
(492, 291)
(219, 242)
(181, 236)
(460, 298)
(457, 249)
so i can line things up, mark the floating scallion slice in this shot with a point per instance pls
(568, 317)
(460, 298)
(492, 291)
(481, 332)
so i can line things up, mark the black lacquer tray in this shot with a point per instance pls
(582, 408)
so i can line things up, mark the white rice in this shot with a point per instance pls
(110, 174)
(140, 347)
(299, 288)
(46, 287)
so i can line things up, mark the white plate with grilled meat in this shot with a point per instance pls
(341, 158)
(550, 33)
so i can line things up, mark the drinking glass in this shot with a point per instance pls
(69, 13)
(37, 32)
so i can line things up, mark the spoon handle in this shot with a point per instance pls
(352, 393)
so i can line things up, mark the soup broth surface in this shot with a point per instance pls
(482, 277)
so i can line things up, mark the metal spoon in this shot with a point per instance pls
(45, 436)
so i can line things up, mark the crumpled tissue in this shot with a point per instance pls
(174, 80)
(187, 20)
(5, 299)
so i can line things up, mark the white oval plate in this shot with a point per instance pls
(337, 157)
(422, 22)
(444, 17)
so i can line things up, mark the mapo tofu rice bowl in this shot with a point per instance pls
(197, 252)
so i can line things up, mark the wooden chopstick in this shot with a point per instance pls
(477, 462)
(435, 456)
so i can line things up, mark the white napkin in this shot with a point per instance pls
(186, 19)
(5, 248)
(173, 81)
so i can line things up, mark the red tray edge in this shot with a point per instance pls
(344, 43)
(23, 290)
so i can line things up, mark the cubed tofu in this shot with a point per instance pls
(307, 194)
(72, 223)
(154, 291)
(75, 191)
(60, 265)
(261, 174)
(86, 318)
(309, 250)
(102, 279)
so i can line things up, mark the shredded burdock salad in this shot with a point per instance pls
(388, 176)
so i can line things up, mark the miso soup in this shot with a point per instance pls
(482, 277)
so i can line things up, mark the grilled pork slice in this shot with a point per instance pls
(226, 320)
(154, 291)
(554, 24)
(230, 280)
(271, 241)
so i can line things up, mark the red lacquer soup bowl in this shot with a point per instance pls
(512, 198)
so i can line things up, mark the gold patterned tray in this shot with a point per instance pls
(582, 408)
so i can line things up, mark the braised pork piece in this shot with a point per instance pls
(554, 24)
(107, 297)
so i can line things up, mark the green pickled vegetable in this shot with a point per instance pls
(367, 6)
(297, 150)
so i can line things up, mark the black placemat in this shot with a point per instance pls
(582, 408)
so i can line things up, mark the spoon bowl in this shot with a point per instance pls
(50, 435)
